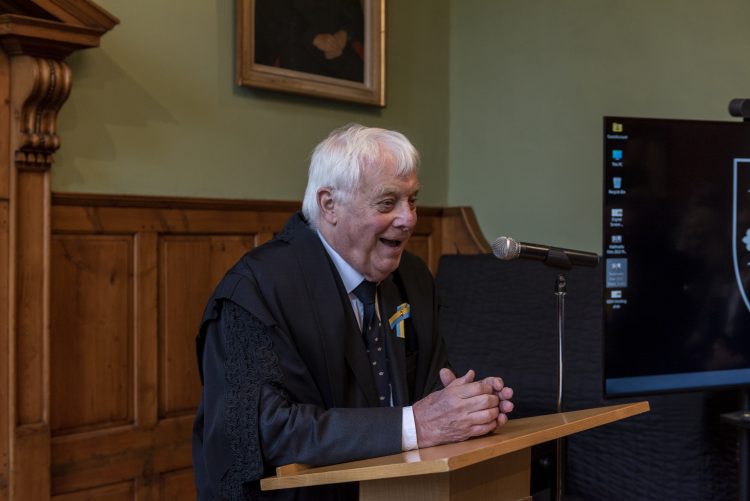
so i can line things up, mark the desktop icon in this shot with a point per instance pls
(616, 212)
(617, 182)
(616, 239)
(617, 155)
(616, 127)
(616, 294)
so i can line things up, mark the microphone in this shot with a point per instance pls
(506, 248)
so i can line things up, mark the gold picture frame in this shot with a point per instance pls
(323, 53)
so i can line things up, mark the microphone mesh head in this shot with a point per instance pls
(506, 248)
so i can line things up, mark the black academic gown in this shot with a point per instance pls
(292, 383)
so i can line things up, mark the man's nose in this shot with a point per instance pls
(407, 217)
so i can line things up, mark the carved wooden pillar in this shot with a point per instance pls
(34, 83)
(38, 88)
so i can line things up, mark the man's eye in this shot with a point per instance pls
(412, 202)
(386, 204)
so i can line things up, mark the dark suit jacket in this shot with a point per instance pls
(285, 373)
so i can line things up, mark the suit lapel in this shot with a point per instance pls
(390, 299)
(423, 321)
(336, 325)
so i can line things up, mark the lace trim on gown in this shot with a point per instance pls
(250, 363)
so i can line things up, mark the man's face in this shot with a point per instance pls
(371, 227)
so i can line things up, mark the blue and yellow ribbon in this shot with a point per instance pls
(403, 311)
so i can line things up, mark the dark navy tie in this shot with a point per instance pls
(373, 335)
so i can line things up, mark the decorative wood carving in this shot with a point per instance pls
(49, 83)
(35, 37)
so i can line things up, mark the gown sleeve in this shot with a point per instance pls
(252, 424)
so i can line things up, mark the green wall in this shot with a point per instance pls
(511, 126)
(155, 110)
(531, 80)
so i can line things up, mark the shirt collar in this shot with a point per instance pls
(351, 277)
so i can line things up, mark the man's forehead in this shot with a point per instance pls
(408, 185)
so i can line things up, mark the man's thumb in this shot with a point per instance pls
(448, 378)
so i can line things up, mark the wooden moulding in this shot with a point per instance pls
(35, 36)
(439, 230)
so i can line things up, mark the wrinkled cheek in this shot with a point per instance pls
(391, 261)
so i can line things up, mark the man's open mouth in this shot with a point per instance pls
(391, 243)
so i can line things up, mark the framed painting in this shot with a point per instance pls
(326, 48)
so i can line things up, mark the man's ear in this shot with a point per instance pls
(327, 205)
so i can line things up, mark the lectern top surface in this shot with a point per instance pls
(516, 435)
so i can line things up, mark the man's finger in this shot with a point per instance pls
(478, 430)
(483, 416)
(470, 390)
(496, 383)
(463, 380)
(506, 393)
(446, 376)
(506, 406)
(502, 419)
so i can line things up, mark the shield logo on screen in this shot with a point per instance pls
(741, 227)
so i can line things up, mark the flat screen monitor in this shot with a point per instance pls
(676, 255)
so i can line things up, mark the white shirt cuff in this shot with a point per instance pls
(408, 430)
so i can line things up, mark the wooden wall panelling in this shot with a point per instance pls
(190, 267)
(92, 370)
(461, 233)
(34, 87)
(177, 485)
(86, 460)
(173, 252)
(425, 240)
(6, 415)
(70, 218)
(32, 245)
(145, 322)
(34, 83)
(179, 254)
(124, 491)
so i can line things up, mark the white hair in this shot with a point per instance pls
(338, 162)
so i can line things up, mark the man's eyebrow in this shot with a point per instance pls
(390, 190)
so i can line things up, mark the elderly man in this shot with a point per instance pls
(322, 345)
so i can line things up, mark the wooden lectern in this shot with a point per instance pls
(494, 467)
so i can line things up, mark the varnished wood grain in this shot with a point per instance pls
(32, 248)
(27, 34)
(85, 460)
(34, 84)
(503, 478)
(173, 252)
(124, 491)
(92, 360)
(438, 231)
(146, 322)
(171, 221)
(30, 353)
(5, 119)
(461, 233)
(6, 267)
(517, 435)
(176, 485)
(191, 266)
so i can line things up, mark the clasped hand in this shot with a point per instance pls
(464, 408)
